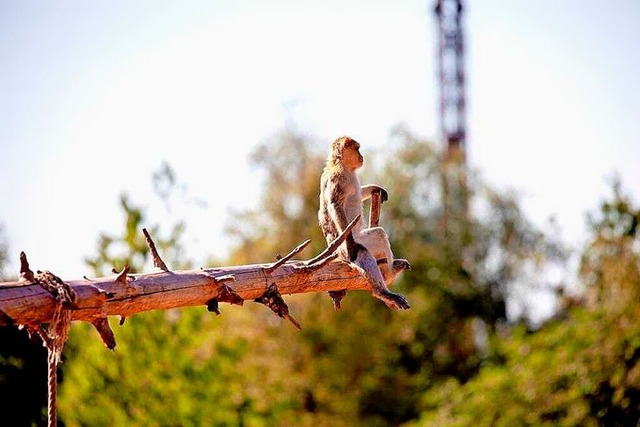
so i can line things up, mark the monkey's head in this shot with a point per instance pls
(346, 151)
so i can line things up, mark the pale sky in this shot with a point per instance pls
(95, 95)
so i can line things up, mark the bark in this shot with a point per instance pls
(30, 304)
(32, 300)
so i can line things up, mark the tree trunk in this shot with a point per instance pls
(30, 304)
(33, 300)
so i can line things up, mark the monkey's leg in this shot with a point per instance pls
(369, 266)
(377, 242)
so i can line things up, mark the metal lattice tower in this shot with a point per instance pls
(455, 194)
(452, 77)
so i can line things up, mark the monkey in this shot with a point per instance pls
(341, 197)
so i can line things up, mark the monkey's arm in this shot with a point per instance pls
(339, 216)
(367, 190)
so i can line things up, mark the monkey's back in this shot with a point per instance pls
(341, 187)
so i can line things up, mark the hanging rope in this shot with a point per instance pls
(54, 335)
(57, 336)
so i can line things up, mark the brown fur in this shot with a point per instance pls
(341, 198)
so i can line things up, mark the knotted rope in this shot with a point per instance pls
(54, 335)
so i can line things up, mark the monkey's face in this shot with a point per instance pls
(351, 154)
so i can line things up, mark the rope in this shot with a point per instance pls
(52, 388)
(55, 334)
(56, 338)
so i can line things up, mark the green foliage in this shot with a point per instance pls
(117, 381)
(130, 248)
(381, 362)
(582, 369)
(610, 267)
(288, 209)
(179, 367)
(169, 368)
(450, 360)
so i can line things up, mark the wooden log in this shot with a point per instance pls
(127, 294)
(32, 300)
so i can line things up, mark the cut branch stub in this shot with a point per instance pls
(318, 264)
(281, 260)
(106, 333)
(229, 296)
(26, 275)
(213, 306)
(272, 299)
(226, 294)
(157, 261)
(336, 297)
(122, 276)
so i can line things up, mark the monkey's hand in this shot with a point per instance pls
(392, 300)
(384, 195)
(368, 190)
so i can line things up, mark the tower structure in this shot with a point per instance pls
(451, 77)
(453, 133)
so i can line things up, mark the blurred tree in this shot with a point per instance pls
(131, 248)
(582, 369)
(174, 367)
(609, 264)
(362, 365)
(382, 361)
(288, 208)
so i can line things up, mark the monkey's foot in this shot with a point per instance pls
(401, 264)
(392, 300)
